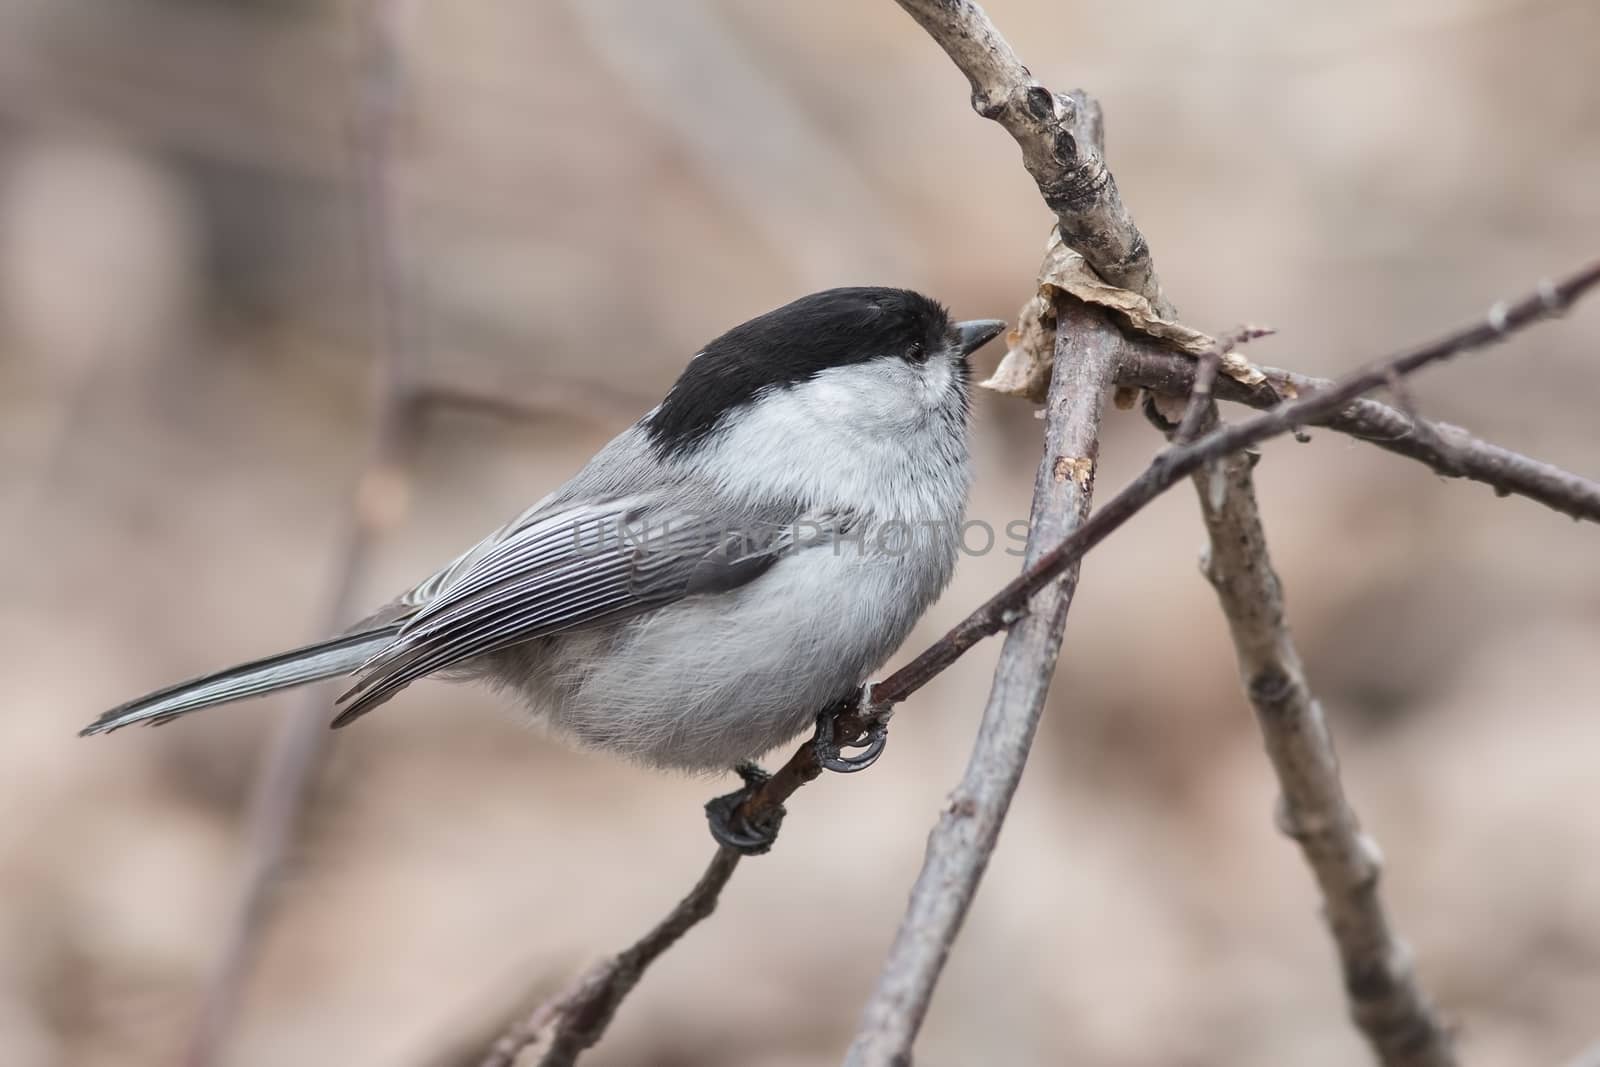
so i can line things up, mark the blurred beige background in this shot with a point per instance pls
(587, 192)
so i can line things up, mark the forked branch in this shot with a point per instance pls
(1386, 1001)
(1012, 603)
(1059, 137)
(1060, 145)
(1449, 450)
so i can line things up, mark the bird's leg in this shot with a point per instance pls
(830, 750)
(732, 828)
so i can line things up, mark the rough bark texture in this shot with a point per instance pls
(1060, 153)
(961, 843)
(1448, 450)
(1386, 1001)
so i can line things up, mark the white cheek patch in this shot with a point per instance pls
(873, 438)
(936, 380)
(888, 393)
(860, 396)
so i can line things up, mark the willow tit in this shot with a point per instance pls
(741, 557)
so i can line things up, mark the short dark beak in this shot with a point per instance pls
(971, 336)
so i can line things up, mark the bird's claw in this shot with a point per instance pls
(736, 830)
(830, 752)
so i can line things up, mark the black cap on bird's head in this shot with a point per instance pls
(798, 341)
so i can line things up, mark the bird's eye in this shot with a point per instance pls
(916, 353)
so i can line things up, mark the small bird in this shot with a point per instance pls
(745, 554)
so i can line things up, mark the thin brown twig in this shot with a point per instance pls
(961, 843)
(1449, 450)
(586, 1006)
(1205, 379)
(1449, 463)
(1199, 403)
(574, 1020)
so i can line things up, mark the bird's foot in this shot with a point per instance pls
(830, 750)
(736, 830)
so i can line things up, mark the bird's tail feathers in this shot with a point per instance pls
(313, 663)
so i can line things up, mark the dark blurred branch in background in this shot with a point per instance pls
(603, 402)
(377, 505)
(402, 398)
(750, 139)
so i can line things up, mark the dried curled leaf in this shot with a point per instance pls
(1030, 352)
(1030, 345)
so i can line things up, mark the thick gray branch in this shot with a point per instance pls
(961, 843)
(1063, 158)
(1388, 1005)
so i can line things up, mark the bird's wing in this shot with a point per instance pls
(419, 595)
(569, 568)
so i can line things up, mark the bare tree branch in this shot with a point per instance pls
(1147, 365)
(1060, 152)
(1010, 605)
(1205, 380)
(1176, 463)
(969, 825)
(573, 1021)
(577, 1018)
(1399, 1019)
(1392, 1012)
(893, 1015)
(1386, 1002)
